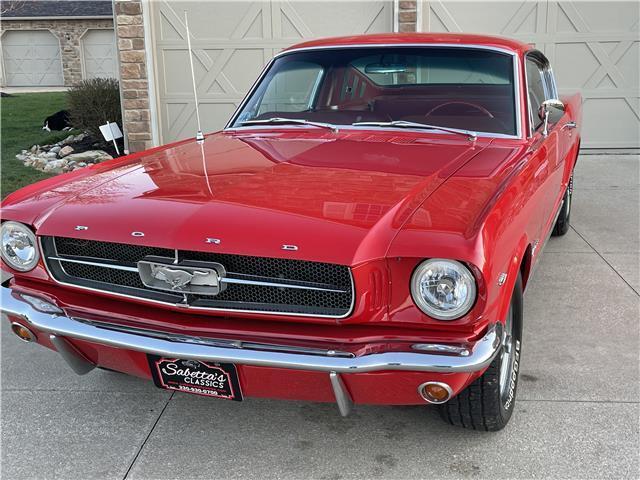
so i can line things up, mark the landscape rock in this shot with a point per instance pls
(66, 150)
(55, 166)
(39, 162)
(90, 156)
(67, 155)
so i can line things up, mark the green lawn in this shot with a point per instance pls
(22, 117)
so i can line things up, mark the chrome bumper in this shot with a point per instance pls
(59, 327)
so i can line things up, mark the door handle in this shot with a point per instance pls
(569, 125)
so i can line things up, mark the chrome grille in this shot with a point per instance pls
(255, 284)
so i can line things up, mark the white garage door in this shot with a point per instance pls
(31, 58)
(232, 41)
(99, 54)
(593, 47)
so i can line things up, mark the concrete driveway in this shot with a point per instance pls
(577, 414)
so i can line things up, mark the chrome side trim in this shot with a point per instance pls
(216, 342)
(277, 285)
(113, 266)
(482, 352)
(343, 399)
(441, 348)
(516, 77)
(540, 58)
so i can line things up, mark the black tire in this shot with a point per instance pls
(487, 404)
(562, 223)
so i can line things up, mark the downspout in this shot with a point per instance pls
(115, 39)
(151, 78)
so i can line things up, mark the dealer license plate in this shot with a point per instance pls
(218, 380)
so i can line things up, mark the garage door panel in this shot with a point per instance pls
(232, 41)
(330, 18)
(601, 16)
(617, 112)
(175, 80)
(628, 64)
(211, 20)
(572, 73)
(592, 46)
(99, 54)
(508, 18)
(31, 58)
(242, 69)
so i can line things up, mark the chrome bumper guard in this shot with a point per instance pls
(60, 327)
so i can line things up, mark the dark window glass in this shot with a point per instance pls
(536, 86)
(466, 88)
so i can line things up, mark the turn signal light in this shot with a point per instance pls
(435, 392)
(23, 332)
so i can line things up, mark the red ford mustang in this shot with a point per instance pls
(362, 231)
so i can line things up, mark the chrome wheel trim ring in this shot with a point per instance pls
(569, 195)
(507, 354)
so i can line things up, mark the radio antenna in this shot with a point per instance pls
(199, 135)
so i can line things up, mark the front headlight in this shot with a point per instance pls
(443, 289)
(18, 246)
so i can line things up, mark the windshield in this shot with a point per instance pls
(464, 88)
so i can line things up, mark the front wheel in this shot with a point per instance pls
(487, 404)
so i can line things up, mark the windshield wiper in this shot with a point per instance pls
(297, 121)
(403, 124)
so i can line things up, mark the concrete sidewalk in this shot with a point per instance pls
(577, 414)
(12, 90)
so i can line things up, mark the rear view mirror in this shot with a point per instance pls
(385, 68)
(553, 105)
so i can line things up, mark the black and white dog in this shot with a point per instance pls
(57, 121)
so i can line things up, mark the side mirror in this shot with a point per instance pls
(547, 107)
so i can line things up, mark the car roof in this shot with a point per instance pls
(399, 39)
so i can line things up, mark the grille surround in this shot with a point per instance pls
(308, 295)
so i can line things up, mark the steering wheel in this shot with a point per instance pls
(480, 108)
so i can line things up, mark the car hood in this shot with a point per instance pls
(332, 197)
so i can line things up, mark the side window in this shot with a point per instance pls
(292, 89)
(536, 85)
(551, 83)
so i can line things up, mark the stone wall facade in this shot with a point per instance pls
(407, 15)
(134, 83)
(69, 32)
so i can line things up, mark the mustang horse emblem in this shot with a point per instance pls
(174, 277)
(204, 278)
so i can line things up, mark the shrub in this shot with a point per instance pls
(94, 102)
